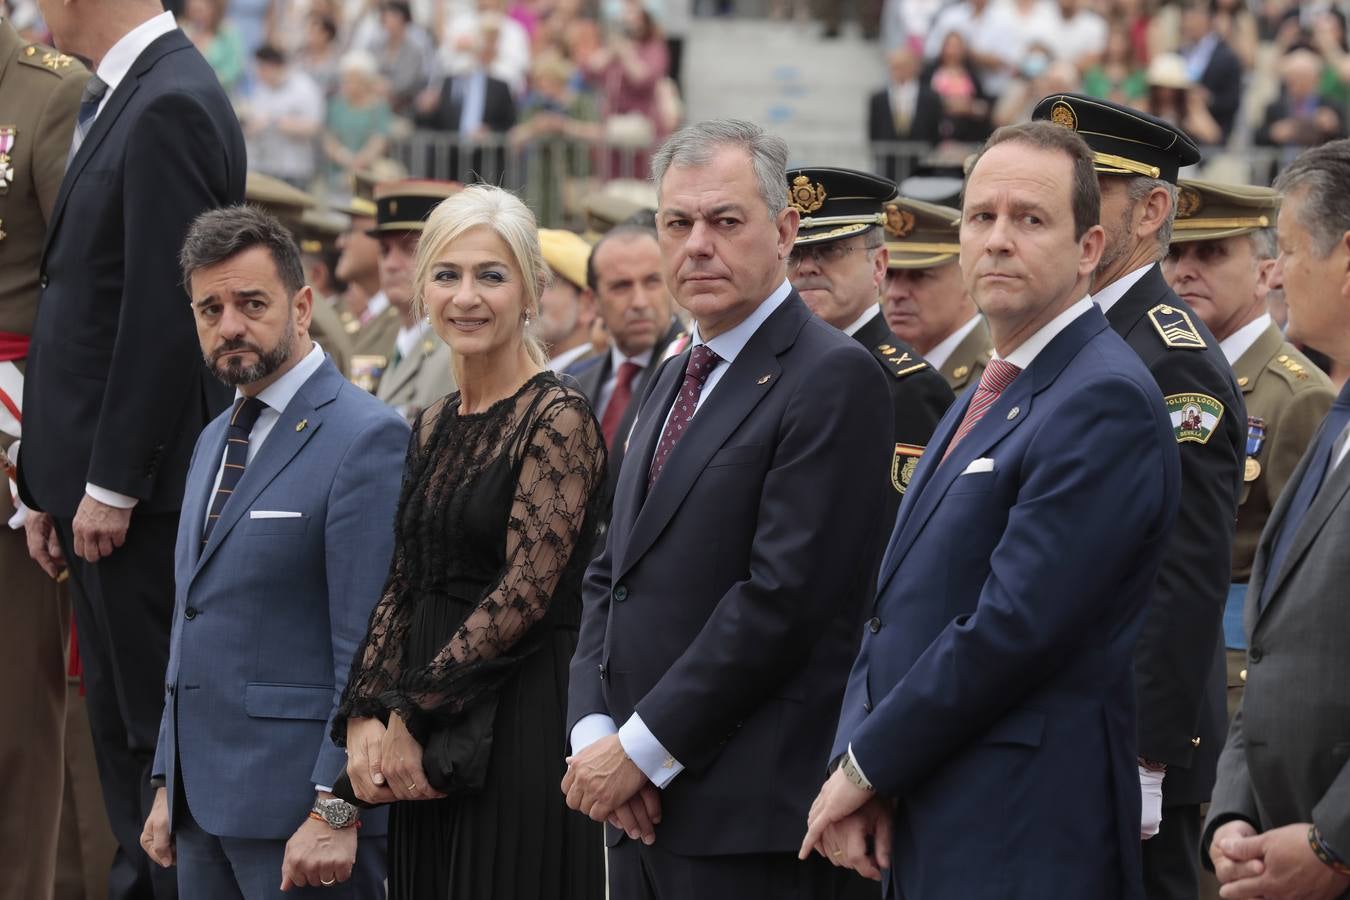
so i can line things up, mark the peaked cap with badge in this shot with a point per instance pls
(1124, 141)
(405, 205)
(841, 203)
(921, 235)
(1182, 709)
(566, 253)
(1209, 210)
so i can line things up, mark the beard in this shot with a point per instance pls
(1117, 241)
(234, 372)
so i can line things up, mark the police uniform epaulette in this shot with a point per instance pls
(49, 60)
(897, 361)
(1175, 327)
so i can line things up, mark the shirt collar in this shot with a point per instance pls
(567, 357)
(376, 305)
(868, 315)
(1240, 341)
(616, 359)
(119, 59)
(278, 394)
(938, 356)
(1109, 295)
(1026, 354)
(730, 343)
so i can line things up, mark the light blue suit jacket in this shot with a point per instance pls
(268, 615)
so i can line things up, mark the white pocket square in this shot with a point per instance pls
(272, 514)
(983, 464)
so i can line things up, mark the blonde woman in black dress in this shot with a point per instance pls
(470, 644)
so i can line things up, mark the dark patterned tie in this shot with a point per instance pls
(701, 363)
(995, 380)
(619, 399)
(94, 89)
(246, 412)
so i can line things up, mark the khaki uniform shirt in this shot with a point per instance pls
(419, 379)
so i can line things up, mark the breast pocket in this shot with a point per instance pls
(737, 456)
(295, 525)
(973, 483)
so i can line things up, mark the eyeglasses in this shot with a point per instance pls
(822, 253)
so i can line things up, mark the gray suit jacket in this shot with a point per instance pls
(268, 615)
(1287, 757)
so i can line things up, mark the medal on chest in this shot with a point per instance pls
(7, 136)
(1256, 436)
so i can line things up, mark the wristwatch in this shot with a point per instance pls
(336, 812)
(849, 766)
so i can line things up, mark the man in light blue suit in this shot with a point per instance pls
(986, 745)
(283, 546)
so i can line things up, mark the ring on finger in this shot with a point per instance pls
(327, 882)
(413, 786)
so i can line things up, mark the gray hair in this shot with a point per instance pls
(1325, 174)
(221, 234)
(1264, 244)
(1139, 187)
(694, 145)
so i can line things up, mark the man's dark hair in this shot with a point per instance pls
(221, 234)
(400, 7)
(1322, 174)
(624, 231)
(1086, 196)
(327, 24)
(268, 53)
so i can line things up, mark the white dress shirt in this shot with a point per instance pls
(938, 356)
(872, 311)
(1240, 341)
(617, 359)
(564, 359)
(638, 742)
(405, 342)
(1108, 296)
(113, 68)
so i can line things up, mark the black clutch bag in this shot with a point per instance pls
(455, 753)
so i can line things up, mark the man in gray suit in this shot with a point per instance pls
(283, 545)
(1279, 820)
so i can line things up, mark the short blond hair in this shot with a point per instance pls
(508, 218)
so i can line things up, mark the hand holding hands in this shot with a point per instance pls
(1275, 865)
(318, 855)
(601, 779)
(838, 799)
(401, 763)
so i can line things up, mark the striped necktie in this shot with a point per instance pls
(94, 89)
(246, 412)
(998, 374)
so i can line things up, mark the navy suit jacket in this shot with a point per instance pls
(993, 696)
(116, 391)
(725, 606)
(268, 615)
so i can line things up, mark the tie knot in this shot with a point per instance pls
(628, 371)
(246, 412)
(94, 89)
(701, 363)
(998, 375)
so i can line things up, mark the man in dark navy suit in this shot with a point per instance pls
(116, 391)
(721, 619)
(986, 747)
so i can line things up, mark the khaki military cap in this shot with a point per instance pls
(1208, 210)
(921, 235)
(566, 253)
(286, 202)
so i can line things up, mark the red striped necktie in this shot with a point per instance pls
(995, 380)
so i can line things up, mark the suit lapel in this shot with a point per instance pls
(406, 371)
(641, 447)
(201, 487)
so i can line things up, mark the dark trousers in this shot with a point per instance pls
(1172, 856)
(639, 872)
(123, 606)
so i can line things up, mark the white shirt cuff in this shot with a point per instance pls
(110, 498)
(323, 788)
(647, 753)
(853, 759)
(590, 729)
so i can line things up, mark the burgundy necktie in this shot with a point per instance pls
(995, 380)
(701, 363)
(618, 401)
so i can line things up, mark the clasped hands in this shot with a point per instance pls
(850, 827)
(1274, 865)
(384, 763)
(604, 783)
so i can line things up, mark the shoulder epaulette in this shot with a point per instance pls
(1292, 367)
(40, 57)
(897, 361)
(1175, 327)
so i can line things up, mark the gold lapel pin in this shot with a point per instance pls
(764, 379)
(300, 426)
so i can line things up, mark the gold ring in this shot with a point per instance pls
(413, 786)
(837, 853)
(328, 883)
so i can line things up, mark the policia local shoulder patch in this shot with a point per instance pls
(1194, 416)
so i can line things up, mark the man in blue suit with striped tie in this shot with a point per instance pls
(283, 546)
(986, 745)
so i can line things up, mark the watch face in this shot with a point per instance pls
(337, 813)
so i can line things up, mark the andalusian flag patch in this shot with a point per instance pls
(1194, 416)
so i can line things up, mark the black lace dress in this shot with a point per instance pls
(495, 528)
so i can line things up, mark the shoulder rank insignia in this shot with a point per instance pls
(898, 362)
(1295, 368)
(1175, 327)
(903, 464)
(1194, 416)
(54, 60)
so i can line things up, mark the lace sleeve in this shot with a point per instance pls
(375, 668)
(562, 467)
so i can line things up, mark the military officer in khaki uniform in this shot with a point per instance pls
(1222, 262)
(39, 97)
(289, 204)
(924, 299)
(418, 373)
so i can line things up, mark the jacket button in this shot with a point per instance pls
(601, 667)
(1243, 675)
(874, 624)
(190, 612)
(867, 706)
(1255, 654)
(620, 594)
(168, 689)
(42, 282)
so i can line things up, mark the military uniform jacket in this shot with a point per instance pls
(326, 328)
(919, 397)
(970, 358)
(419, 379)
(376, 338)
(1289, 396)
(1178, 671)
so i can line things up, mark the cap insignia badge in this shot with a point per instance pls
(1188, 202)
(1062, 114)
(899, 222)
(804, 196)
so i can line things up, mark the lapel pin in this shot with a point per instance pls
(300, 426)
(764, 379)
(1012, 413)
